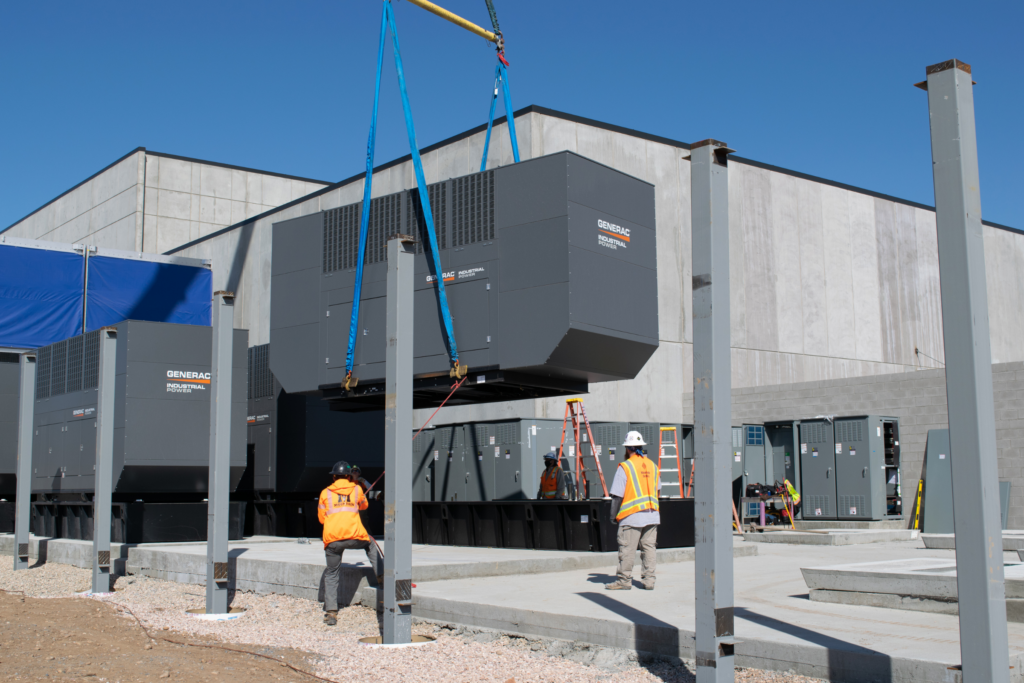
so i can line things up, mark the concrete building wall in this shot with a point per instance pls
(104, 210)
(918, 399)
(153, 203)
(827, 282)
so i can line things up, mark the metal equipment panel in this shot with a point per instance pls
(781, 438)
(817, 469)
(860, 468)
(609, 437)
(423, 453)
(754, 461)
(481, 452)
(938, 484)
(509, 444)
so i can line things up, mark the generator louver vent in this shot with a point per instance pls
(341, 232)
(507, 434)
(58, 368)
(261, 381)
(473, 209)
(9, 358)
(74, 381)
(43, 373)
(91, 363)
(438, 210)
(813, 433)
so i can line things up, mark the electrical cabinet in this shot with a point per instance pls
(754, 464)
(867, 458)
(938, 476)
(817, 469)
(781, 449)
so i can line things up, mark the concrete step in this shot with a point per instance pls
(831, 536)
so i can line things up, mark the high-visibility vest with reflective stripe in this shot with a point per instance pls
(641, 494)
(549, 484)
(338, 511)
(793, 493)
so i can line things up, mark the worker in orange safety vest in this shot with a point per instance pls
(338, 511)
(635, 509)
(555, 483)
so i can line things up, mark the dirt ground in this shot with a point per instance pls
(68, 639)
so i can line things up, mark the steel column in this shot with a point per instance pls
(26, 430)
(984, 651)
(101, 500)
(220, 454)
(397, 445)
(712, 411)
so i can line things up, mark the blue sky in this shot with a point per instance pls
(819, 87)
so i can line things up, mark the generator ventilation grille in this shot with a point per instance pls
(261, 380)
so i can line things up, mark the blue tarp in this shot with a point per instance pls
(43, 294)
(126, 289)
(40, 296)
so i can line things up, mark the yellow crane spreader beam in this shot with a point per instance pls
(456, 19)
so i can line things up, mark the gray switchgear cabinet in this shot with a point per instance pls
(161, 417)
(782, 447)
(482, 461)
(937, 508)
(550, 268)
(850, 468)
(867, 456)
(817, 469)
(10, 379)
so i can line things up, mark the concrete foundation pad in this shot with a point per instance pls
(1013, 540)
(287, 567)
(1014, 607)
(922, 577)
(851, 524)
(831, 536)
(66, 551)
(777, 627)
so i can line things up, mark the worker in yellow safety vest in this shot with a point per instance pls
(794, 495)
(338, 511)
(555, 483)
(635, 508)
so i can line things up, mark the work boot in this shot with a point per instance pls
(380, 580)
(648, 585)
(331, 618)
(618, 586)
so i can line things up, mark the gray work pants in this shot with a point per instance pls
(333, 573)
(647, 538)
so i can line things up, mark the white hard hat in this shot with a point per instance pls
(634, 439)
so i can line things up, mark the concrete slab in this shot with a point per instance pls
(851, 524)
(1013, 539)
(288, 567)
(66, 551)
(919, 577)
(831, 536)
(777, 626)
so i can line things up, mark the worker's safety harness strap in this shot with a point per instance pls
(388, 21)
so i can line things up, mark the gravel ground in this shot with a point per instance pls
(276, 622)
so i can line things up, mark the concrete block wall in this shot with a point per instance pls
(918, 399)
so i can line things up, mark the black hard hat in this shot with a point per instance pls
(341, 469)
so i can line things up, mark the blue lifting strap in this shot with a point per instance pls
(501, 77)
(388, 20)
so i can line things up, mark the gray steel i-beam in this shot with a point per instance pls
(26, 430)
(397, 445)
(712, 411)
(984, 652)
(220, 454)
(103, 494)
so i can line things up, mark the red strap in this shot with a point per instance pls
(502, 58)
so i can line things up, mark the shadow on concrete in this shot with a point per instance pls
(846, 660)
(650, 634)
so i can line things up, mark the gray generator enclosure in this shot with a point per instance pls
(161, 415)
(295, 439)
(10, 379)
(549, 267)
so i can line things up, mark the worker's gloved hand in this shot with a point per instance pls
(372, 495)
(616, 504)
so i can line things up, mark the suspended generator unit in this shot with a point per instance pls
(10, 378)
(550, 271)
